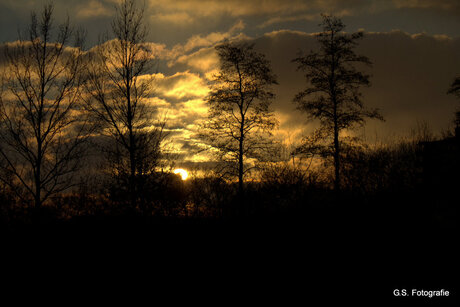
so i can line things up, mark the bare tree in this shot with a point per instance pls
(455, 90)
(119, 85)
(42, 128)
(239, 118)
(455, 87)
(332, 95)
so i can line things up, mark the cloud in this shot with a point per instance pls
(212, 38)
(199, 41)
(93, 9)
(428, 4)
(202, 60)
(176, 18)
(432, 16)
(179, 98)
(238, 8)
(188, 12)
(182, 85)
(283, 19)
(185, 13)
(172, 22)
(197, 53)
(158, 50)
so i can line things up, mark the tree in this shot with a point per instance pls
(239, 118)
(119, 86)
(42, 127)
(332, 95)
(455, 90)
(455, 87)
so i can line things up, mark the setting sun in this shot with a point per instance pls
(182, 172)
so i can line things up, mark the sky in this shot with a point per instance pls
(414, 46)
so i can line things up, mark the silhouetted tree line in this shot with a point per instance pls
(62, 108)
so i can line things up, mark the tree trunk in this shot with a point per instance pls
(38, 187)
(37, 198)
(132, 144)
(333, 85)
(240, 170)
(336, 160)
(38, 135)
(241, 142)
(336, 151)
(132, 175)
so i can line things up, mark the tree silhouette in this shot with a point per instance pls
(332, 95)
(42, 126)
(455, 90)
(455, 87)
(239, 118)
(118, 87)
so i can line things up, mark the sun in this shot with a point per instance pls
(182, 172)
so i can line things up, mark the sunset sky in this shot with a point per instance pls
(414, 45)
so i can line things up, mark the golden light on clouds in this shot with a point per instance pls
(202, 60)
(180, 85)
(197, 106)
(191, 85)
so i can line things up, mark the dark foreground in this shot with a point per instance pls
(352, 255)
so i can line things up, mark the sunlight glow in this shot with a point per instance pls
(182, 172)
